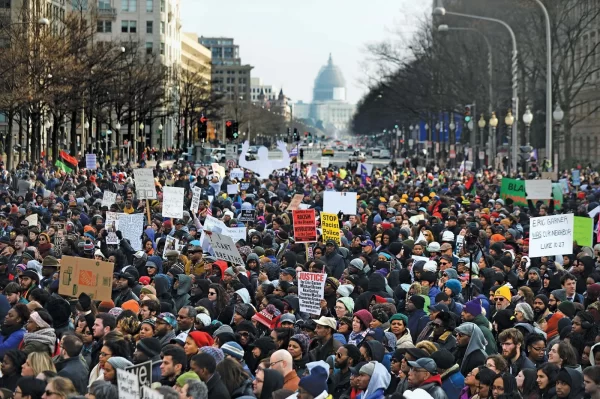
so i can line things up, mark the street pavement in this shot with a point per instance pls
(339, 158)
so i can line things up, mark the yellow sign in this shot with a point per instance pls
(331, 227)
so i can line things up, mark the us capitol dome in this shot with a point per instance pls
(330, 84)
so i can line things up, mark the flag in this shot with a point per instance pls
(294, 152)
(363, 174)
(67, 160)
(61, 165)
(209, 210)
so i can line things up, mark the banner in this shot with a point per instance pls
(173, 202)
(583, 231)
(515, 190)
(144, 183)
(195, 199)
(225, 249)
(247, 215)
(330, 227)
(132, 226)
(91, 276)
(334, 202)
(296, 200)
(128, 385)
(551, 235)
(108, 199)
(143, 372)
(305, 229)
(311, 289)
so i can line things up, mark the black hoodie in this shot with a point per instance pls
(376, 287)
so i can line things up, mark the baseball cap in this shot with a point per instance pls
(439, 307)
(168, 318)
(445, 246)
(425, 363)
(327, 322)
(289, 270)
(367, 242)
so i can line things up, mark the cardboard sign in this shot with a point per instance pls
(128, 385)
(311, 289)
(237, 174)
(144, 183)
(551, 235)
(173, 202)
(331, 227)
(112, 225)
(109, 198)
(296, 200)
(143, 372)
(550, 176)
(132, 226)
(225, 249)
(195, 199)
(91, 276)
(232, 189)
(334, 202)
(305, 229)
(90, 161)
(538, 189)
(218, 170)
(247, 215)
(583, 231)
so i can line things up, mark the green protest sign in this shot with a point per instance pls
(583, 229)
(515, 190)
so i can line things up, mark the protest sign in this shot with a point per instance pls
(225, 249)
(296, 200)
(331, 227)
(237, 174)
(219, 170)
(144, 183)
(32, 219)
(171, 244)
(91, 276)
(551, 235)
(594, 212)
(128, 385)
(334, 202)
(366, 168)
(564, 183)
(550, 176)
(324, 162)
(538, 189)
(513, 189)
(415, 219)
(237, 233)
(418, 258)
(247, 215)
(109, 198)
(173, 202)
(143, 372)
(311, 289)
(576, 176)
(232, 189)
(149, 393)
(90, 161)
(132, 226)
(244, 186)
(195, 199)
(112, 225)
(305, 229)
(583, 231)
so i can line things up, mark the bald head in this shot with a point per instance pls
(282, 362)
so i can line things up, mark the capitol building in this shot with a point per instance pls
(329, 107)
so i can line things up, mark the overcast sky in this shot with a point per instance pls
(288, 42)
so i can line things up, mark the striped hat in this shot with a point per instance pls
(234, 349)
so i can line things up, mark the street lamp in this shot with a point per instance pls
(558, 116)
(509, 120)
(527, 119)
(86, 125)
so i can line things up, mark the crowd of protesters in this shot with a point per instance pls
(430, 292)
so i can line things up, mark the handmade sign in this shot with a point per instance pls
(305, 229)
(171, 244)
(237, 174)
(330, 227)
(225, 249)
(90, 161)
(334, 202)
(173, 202)
(247, 215)
(132, 226)
(551, 235)
(109, 198)
(583, 231)
(128, 385)
(538, 189)
(311, 289)
(144, 183)
(263, 166)
(143, 372)
(195, 199)
(295, 202)
(112, 225)
(91, 276)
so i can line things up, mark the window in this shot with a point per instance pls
(162, 27)
(128, 26)
(162, 49)
(129, 5)
(104, 4)
(104, 27)
(162, 5)
(149, 5)
(149, 47)
(149, 27)
(5, 4)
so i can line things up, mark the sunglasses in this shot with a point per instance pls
(211, 293)
(499, 299)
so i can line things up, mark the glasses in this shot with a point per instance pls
(50, 393)
(271, 364)
(211, 293)
(339, 355)
(537, 349)
(499, 299)
(104, 354)
(244, 334)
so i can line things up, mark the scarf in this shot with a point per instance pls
(46, 336)
(357, 337)
(6, 331)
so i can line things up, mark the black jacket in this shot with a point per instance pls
(339, 383)
(522, 362)
(76, 370)
(376, 287)
(216, 388)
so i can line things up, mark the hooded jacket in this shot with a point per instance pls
(484, 325)
(335, 263)
(377, 384)
(577, 388)
(163, 285)
(182, 294)
(474, 355)
(376, 287)
(376, 349)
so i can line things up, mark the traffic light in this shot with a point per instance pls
(525, 153)
(203, 128)
(229, 130)
(467, 114)
(236, 130)
(296, 135)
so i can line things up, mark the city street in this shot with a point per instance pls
(339, 158)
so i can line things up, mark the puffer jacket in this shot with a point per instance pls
(182, 294)
(433, 386)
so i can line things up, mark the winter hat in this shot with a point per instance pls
(399, 316)
(245, 310)
(115, 312)
(504, 292)
(201, 338)
(132, 305)
(357, 264)
(316, 382)
(345, 290)
(526, 309)
(264, 317)
(560, 295)
(149, 346)
(234, 349)
(119, 362)
(454, 286)
(418, 301)
(302, 340)
(568, 309)
(216, 353)
(348, 303)
(430, 266)
(364, 316)
(473, 307)
(225, 328)
(204, 319)
(542, 298)
(186, 377)
(168, 318)
(443, 359)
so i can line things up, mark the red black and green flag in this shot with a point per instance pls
(66, 162)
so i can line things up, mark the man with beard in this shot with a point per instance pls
(20, 245)
(502, 297)
(347, 356)
(540, 306)
(512, 341)
(124, 283)
(29, 280)
(555, 298)
(534, 280)
(197, 264)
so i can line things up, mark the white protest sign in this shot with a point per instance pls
(90, 161)
(594, 212)
(311, 289)
(368, 167)
(334, 202)
(32, 219)
(213, 224)
(132, 226)
(237, 174)
(417, 258)
(263, 166)
(237, 233)
(128, 385)
(232, 189)
(195, 199)
(173, 202)
(143, 371)
(551, 235)
(415, 219)
(148, 393)
(171, 244)
(225, 249)
(144, 183)
(109, 198)
(538, 189)
(218, 170)
(324, 162)
(112, 225)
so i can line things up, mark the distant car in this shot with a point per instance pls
(327, 152)
(350, 147)
(340, 147)
(375, 152)
(385, 154)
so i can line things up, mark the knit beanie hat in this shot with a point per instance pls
(132, 305)
(234, 349)
(399, 316)
(302, 340)
(526, 309)
(244, 310)
(559, 295)
(418, 301)
(443, 359)
(454, 286)
(348, 303)
(504, 292)
(185, 377)
(364, 316)
(201, 338)
(216, 353)
(357, 264)
(542, 298)
(149, 346)
(345, 290)
(473, 307)
(119, 362)
(316, 382)
(567, 308)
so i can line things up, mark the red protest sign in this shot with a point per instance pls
(305, 229)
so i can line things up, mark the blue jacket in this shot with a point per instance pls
(11, 342)
(453, 382)
(433, 291)
(417, 321)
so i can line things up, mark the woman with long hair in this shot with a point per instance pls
(113, 345)
(59, 387)
(36, 363)
(281, 336)
(527, 384)
(563, 355)
(496, 363)
(222, 309)
(546, 380)
(503, 383)
(236, 381)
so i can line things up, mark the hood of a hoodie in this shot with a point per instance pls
(592, 360)
(577, 388)
(185, 284)
(477, 341)
(252, 256)
(158, 262)
(35, 266)
(294, 302)
(377, 350)
(376, 283)
(244, 294)
(344, 252)
(162, 284)
(221, 264)
(379, 380)
(151, 235)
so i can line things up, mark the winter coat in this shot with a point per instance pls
(452, 382)
(216, 387)
(376, 287)
(245, 389)
(484, 325)
(417, 321)
(433, 386)
(11, 341)
(377, 384)
(76, 370)
(335, 263)
(182, 295)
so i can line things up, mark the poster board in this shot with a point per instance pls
(195, 204)
(232, 189)
(32, 219)
(237, 174)
(550, 176)
(149, 393)
(295, 202)
(225, 249)
(583, 231)
(91, 276)
(127, 384)
(172, 206)
(330, 227)
(305, 229)
(90, 161)
(144, 183)
(237, 233)
(368, 168)
(311, 289)
(143, 372)
(171, 244)
(132, 226)
(334, 202)
(551, 235)
(247, 215)
(112, 225)
(538, 189)
(109, 198)
(324, 162)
